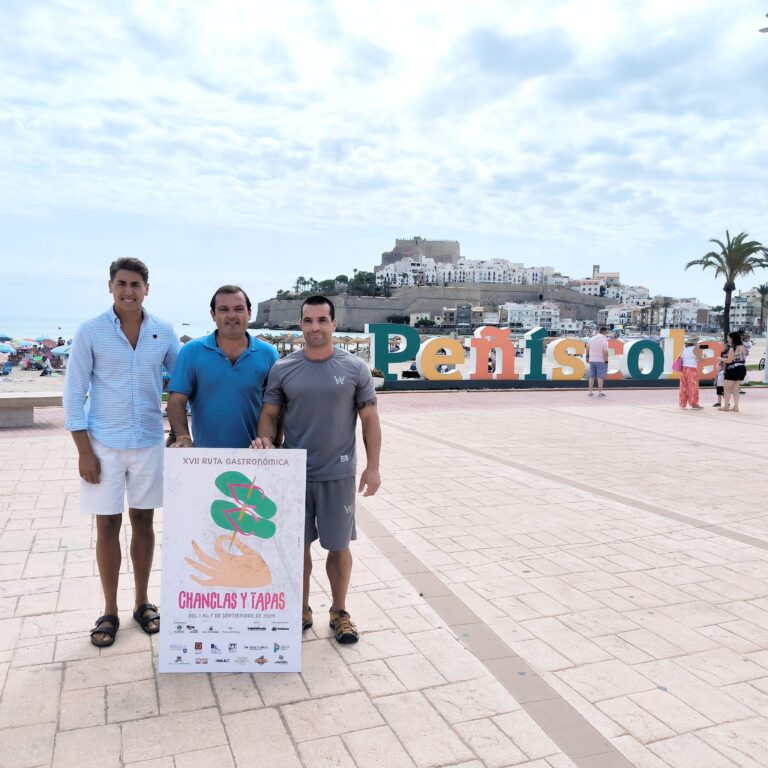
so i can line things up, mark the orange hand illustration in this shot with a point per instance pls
(230, 570)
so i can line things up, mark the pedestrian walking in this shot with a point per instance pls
(735, 371)
(597, 357)
(689, 375)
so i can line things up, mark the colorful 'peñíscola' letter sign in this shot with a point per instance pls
(438, 358)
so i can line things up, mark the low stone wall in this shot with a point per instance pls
(17, 409)
(353, 312)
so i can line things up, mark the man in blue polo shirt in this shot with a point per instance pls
(222, 376)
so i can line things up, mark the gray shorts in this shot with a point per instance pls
(329, 513)
(598, 370)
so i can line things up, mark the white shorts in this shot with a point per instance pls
(137, 471)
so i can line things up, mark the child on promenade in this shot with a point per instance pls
(719, 383)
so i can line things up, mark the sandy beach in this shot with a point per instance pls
(31, 381)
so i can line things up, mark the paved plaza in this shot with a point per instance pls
(544, 580)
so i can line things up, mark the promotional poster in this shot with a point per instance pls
(233, 546)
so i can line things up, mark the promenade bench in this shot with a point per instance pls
(17, 409)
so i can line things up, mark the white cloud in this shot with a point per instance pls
(558, 129)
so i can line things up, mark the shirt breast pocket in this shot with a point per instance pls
(259, 377)
(153, 357)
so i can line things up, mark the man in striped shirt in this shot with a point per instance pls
(112, 406)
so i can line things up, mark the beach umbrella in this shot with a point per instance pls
(24, 344)
(49, 343)
(6, 349)
(59, 351)
(288, 339)
(3, 337)
(359, 341)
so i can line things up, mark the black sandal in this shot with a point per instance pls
(152, 614)
(111, 625)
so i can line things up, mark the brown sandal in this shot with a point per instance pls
(344, 629)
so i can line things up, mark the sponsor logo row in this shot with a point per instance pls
(192, 629)
(182, 656)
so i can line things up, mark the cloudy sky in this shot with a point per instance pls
(254, 142)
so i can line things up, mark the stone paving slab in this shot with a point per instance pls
(544, 580)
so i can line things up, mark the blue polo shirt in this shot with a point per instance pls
(226, 398)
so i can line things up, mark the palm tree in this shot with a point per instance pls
(717, 311)
(665, 303)
(653, 309)
(763, 291)
(736, 258)
(643, 316)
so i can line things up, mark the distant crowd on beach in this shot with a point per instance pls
(33, 356)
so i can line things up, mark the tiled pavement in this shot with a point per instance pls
(545, 580)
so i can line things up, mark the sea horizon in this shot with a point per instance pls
(53, 327)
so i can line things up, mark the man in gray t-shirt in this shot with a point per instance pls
(319, 392)
(319, 401)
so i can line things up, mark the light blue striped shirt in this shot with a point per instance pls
(125, 384)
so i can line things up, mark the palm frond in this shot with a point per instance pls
(720, 244)
(737, 257)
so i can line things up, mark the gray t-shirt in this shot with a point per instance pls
(319, 400)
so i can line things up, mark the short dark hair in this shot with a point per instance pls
(735, 338)
(317, 300)
(603, 328)
(130, 264)
(230, 289)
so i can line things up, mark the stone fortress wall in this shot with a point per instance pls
(353, 312)
(445, 251)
